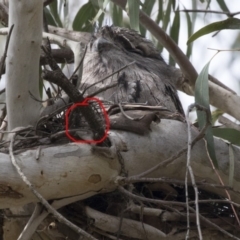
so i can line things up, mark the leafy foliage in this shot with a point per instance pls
(55, 14)
(202, 98)
(133, 11)
(49, 17)
(82, 21)
(230, 23)
(229, 134)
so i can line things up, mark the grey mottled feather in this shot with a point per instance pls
(146, 81)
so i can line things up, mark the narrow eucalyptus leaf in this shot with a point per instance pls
(101, 10)
(216, 114)
(54, 11)
(231, 165)
(147, 7)
(202, 98)
(100, 3)
(49, 17)
(174, 32)
(40, 82)
(133, 12)
(189, 25)
(208, 4)
(230, 23)
(116, 14)
(159, 18)
(229, 134)
(223, 5)
(210, 146)
(100, 20)
(167, 14)
(81, 21)
(201, 90)
(173, 5)
(160, 11)
(66, 14)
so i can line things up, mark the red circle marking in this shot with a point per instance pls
(85, 103)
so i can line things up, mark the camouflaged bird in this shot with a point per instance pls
(147, 80)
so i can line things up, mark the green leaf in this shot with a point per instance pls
(229, 134)
(116, 14)
(202, 98)
(54, 11)
(133, 12)
(230, 23)
(166, 18)
(160, 11)
(223, 5)
(40, 83)
(189, 25)
(202, 94)
(49, 17)
(208, 4)
(159, 18)
(100, 4)
(216, 114)
(147, 7)
(66, 20)
(231, 165)
(174, 32)
(81, 21)
(173, 4)
(102, 7)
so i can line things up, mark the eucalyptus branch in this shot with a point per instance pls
(229, 14)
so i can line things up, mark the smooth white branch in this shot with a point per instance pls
(81, 169)
(22, 63)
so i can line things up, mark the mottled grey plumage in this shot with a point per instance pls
(147, 80)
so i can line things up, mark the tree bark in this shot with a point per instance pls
(22, 64)
(79, 169)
